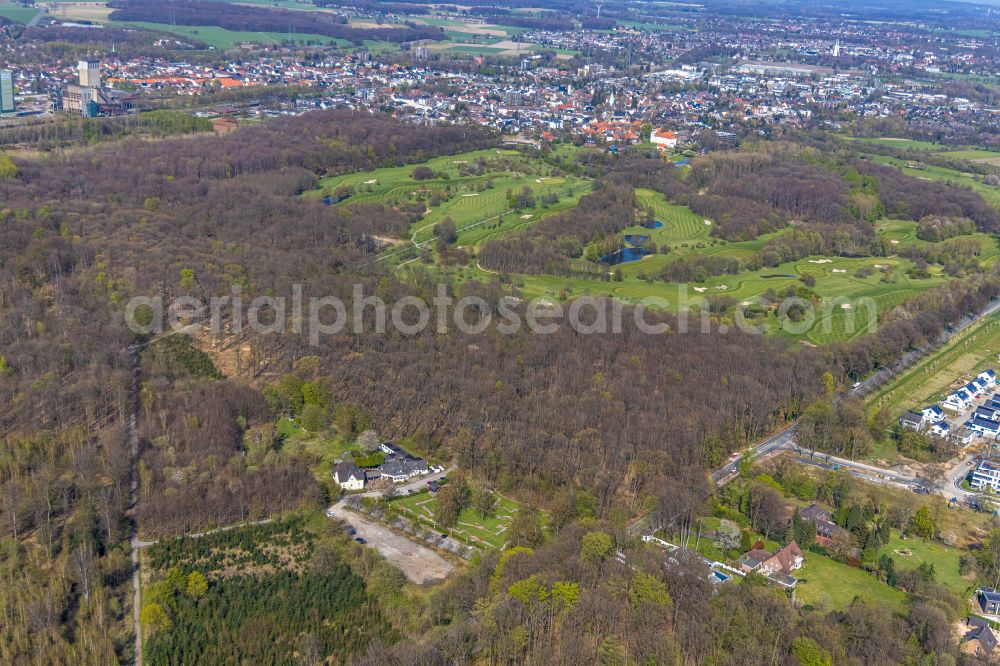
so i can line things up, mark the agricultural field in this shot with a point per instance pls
(17, 12)
(221, 39)
(471, 528)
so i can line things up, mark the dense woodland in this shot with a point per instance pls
(575, 422)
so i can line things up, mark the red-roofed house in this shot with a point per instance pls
(664, 139)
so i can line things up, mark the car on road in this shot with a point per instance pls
(444, 535)
(360, 540)
(330, 513)
(856, 386)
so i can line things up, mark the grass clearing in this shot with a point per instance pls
(911, 553)
(489, 532)
(972, 351)
(829, 585)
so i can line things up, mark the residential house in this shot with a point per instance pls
(776, 567)
(989, 600)
(912, 420)
(959, 400)
(988, 376)
(984, 427)
(932, 414)
(348, 476)
(980, 640)
(986, 474)
(399, 464)
(400, 469)
(962, 436)
(987, 411)
(827, 532)
(941, 429)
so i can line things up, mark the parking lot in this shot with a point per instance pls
(418, 563)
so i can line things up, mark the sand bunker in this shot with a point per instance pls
(838, 270)
(700, 289)
(821, 261)
(527, 217)
(880, 266)
(722, 286)
(474, 194)
(846, 306)
(371, 182)
(708, 222)
(894, 242)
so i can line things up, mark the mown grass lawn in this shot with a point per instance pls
(830, 585)
(944, 559)
(489, 532)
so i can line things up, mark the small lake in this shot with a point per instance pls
(778, 275)
(652, 224)
(624, 255)
(635, 239)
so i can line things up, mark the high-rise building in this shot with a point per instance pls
(90, 73)
(6, 92)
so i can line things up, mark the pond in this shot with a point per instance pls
(624, 255)
(651, 224)
(635, 239)
(778, 275)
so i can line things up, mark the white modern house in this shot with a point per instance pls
(987, 474)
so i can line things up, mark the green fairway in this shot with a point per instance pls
(471, 528)
(973, 154)
(941, 174)
(220, 38)
(911, 553)
(901, 144)
(829, 585)
(477, 201)
(474, 190)
(836, 284)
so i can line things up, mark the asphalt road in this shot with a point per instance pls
(786, 437)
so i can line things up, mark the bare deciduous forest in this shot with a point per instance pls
(595, 427)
